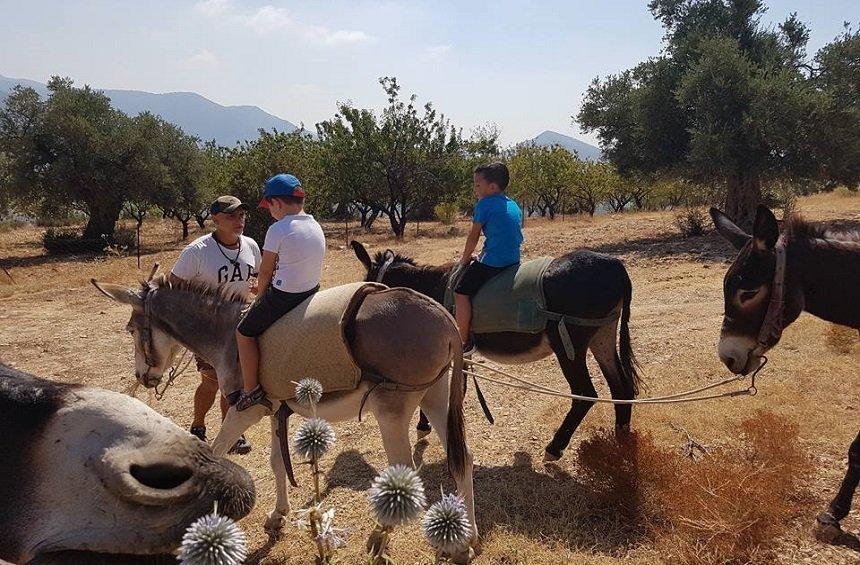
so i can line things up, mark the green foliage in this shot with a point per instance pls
(400, 163)
(75, 150)
(732, 102)
(446, 212)
(540, 177)
(845, 192)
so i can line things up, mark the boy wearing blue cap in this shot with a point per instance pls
(500, 219)
(290, 272)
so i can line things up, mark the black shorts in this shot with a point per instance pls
(202, 365)
(476, 275)
(269, 308)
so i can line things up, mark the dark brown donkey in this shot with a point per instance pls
(774, 278)
(581, 284)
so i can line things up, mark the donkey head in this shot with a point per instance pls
(746, 288)
(374, 268)
(154, 348)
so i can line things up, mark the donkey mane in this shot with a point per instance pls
(800, 231)
(217, 296)
(398, 258)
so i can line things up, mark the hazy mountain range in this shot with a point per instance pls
(208, 120)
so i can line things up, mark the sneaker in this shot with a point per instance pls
(469, 349)
(199, 432)
(241, 446)
(248, 399)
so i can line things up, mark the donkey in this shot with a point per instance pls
(399, 334)
(94, 476)
(774, 278)
(582, 284)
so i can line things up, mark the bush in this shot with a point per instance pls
(845, 192)
(446, 212)
(60, 219)
(69, 241)
(691, 222)
(12, 224)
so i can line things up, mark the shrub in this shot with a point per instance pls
(69, 241)
(691, 222)
(12, 224)
(845, 192)
(729, 507)
(446, 212)
(60, 219)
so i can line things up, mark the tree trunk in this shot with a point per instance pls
(103, 218)
(742, 197)
(185, 228)
(201, 217)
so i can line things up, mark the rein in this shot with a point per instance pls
(384, 268)
(686, 396)
(774, 319)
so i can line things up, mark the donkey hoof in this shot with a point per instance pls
(274, 525)
(549, 456)
(463, 557)
(827, 528)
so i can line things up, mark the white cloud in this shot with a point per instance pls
(204, 59)
(336, 38)
(214, 8)
(437, 51)
(267, 19)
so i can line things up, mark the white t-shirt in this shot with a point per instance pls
(205, 260)
(300, 244)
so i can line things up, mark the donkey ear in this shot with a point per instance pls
(362, 254)
(120, 293)
(727, 228)
(765, 228)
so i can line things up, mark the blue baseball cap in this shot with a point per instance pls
(283, 184)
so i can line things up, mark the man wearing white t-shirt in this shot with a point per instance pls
(223, 259)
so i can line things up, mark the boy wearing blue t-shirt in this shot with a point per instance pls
(500, 219)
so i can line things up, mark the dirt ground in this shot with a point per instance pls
(53, 323)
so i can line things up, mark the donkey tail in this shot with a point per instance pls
(456, 441)
(629, 364)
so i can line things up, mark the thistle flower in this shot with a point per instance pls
(213, 540)
(313, 438)
(396, 496)
(446, 525)
(309, 392)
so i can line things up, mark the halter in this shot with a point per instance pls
(774, 319)
(384, 268)
(148, 350)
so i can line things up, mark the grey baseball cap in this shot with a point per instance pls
(227, 204)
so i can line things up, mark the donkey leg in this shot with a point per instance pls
(435, 405)
(828, 522)
(576, 373)
(602, 345)
(276, 519)
(393, 411)
(234, 425)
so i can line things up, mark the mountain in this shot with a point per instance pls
(195, 114)
(583, 149)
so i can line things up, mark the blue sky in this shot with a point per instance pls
(522, 65)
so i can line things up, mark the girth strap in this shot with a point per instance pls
(283, 415)
(564, 319)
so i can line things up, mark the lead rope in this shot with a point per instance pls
(686, 396)
(174, 372)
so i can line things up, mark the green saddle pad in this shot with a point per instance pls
(512, 301)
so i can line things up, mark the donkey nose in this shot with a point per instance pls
(161, 476)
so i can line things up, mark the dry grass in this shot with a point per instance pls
(53, 323)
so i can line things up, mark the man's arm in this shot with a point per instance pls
(267, 269)
(471, 243)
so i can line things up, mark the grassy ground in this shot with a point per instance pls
(54, 324)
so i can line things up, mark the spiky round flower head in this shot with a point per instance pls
(446, 525)
(313, 438)
(309, 392)
(397, 495)
(213, 540)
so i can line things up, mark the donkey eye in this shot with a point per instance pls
(747, 295)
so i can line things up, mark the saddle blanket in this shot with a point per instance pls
(310, 341)
(512, 301)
